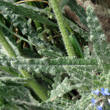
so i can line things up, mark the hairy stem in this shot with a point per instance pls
(61, 23)
(35, 86)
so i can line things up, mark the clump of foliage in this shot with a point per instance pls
(41, 69)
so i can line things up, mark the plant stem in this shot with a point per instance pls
(61, 23)
(5, 44)
(35, 86)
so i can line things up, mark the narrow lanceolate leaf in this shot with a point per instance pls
(76, 45)
(25, 11)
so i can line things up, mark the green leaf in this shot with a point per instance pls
(64, 2)
(27, 12)
(80, 12)
(2, 25)
(76, 45)
(97, 82)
